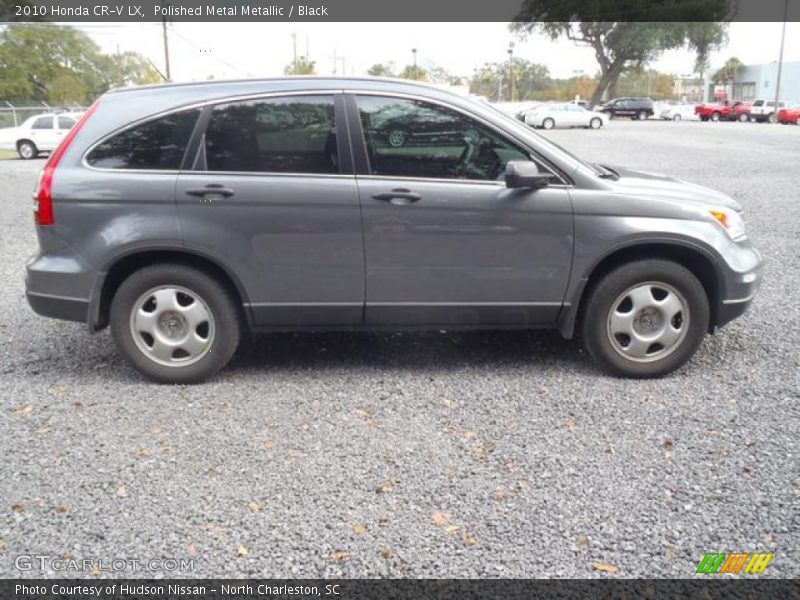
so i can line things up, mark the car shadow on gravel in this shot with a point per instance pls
(407, 350)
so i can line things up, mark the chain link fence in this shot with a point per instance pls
(13, 115)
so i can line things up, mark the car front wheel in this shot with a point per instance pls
(397, 137)
(174, 323)
(645, 318)
(641, 115)
(676, 118)
(548, 123)
(27, 150)
(596, 123)
(715, 116)
(744, 118)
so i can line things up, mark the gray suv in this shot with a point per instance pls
(183, 216)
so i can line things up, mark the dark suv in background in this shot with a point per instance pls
(184, 215)
(635, 108)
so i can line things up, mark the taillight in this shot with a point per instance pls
(43, 196)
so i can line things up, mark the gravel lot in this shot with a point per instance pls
(420, 455)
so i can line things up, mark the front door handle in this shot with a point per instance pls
(399, 196)
(213, 189)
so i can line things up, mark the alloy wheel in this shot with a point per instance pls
(172, 326)
(648, 321)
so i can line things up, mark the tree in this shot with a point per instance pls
(381, 70)
(414, 72)
(43, 61)
(303, 66)
(727, 74)
(633, 33)
(492, 79)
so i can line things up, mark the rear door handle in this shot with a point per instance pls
(213, 189)
(399, 196)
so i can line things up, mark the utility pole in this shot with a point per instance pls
(780, 60)
(414, 52)
(335, 61)
(166, 47)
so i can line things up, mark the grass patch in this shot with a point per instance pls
(5, 154)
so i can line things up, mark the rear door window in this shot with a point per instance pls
(65, 122)
(291, 134)
(158, 144)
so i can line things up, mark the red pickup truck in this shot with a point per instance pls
(738, 111)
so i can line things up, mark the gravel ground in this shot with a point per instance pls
(420, 455)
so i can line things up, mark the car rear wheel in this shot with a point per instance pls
(771, 117)
(596, 123)
(645, 318)
(676, 118)
(798, 121)
(548, 123)
(174, 324)
(27, 150)
(641, 115)
(744, 118)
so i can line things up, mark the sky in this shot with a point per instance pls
(235, 50)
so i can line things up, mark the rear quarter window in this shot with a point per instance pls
(158, 144)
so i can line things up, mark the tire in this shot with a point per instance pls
(798, 121)
(396, 138)
(771, 118)
(715, 116)
(595, 123)
(641, 115)
(27, 150)
(548, 123)
(188, 341)
(673, 309)
(744, 118)
(676, 118)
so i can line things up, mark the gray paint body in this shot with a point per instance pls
(309, 251)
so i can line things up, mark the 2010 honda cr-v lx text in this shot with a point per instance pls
(183, 215)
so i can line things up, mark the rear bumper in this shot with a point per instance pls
(58, 307)
(59, 285)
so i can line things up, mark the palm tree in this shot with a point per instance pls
(732, 67)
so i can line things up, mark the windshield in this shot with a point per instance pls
(518, 126)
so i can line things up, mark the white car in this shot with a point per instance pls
(764, 110)
(40, 133)
(564, 114)
(679, 112)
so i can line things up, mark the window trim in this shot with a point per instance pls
(204, 105)
(361, 157)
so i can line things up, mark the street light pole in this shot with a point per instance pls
(414, 53)
(166, 47)
(780, 60)
(294, 47)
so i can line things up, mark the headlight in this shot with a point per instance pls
(730, 220)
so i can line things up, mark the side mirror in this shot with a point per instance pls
(525, 174)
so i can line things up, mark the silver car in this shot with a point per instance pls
(564, 114)
(185, 215)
